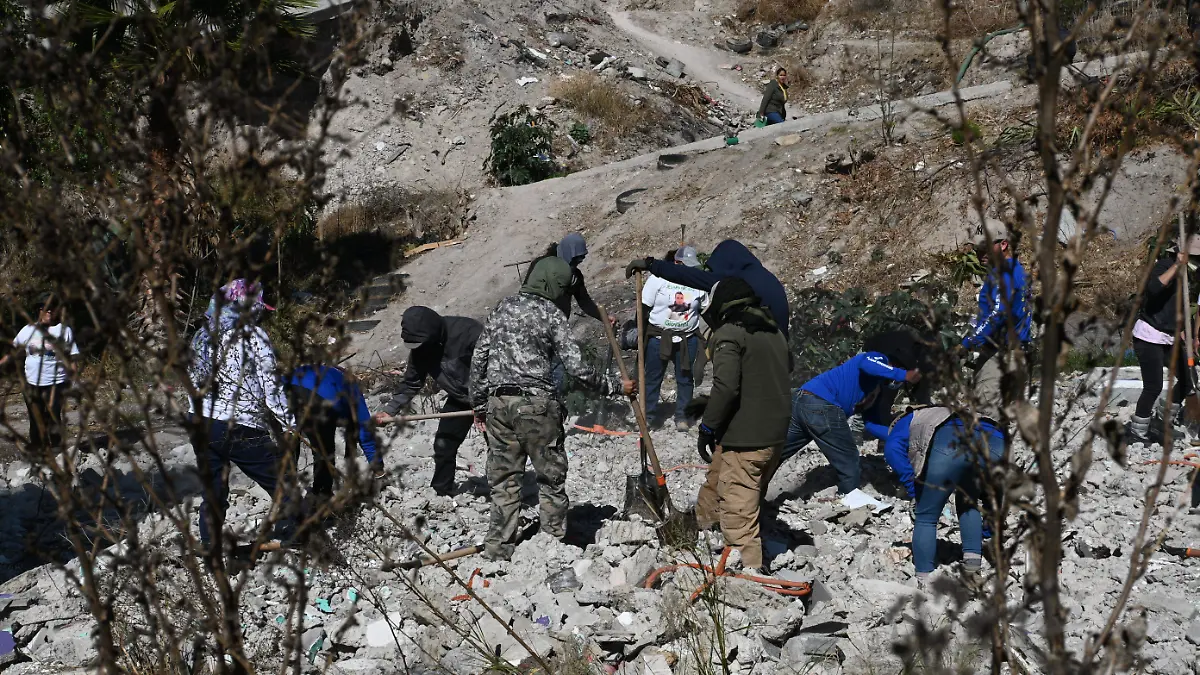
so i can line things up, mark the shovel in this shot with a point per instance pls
(675, 528)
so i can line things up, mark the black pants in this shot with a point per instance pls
(1151, 359)
(217, 445)
(318, 423)
(451, 433)
(45, 414)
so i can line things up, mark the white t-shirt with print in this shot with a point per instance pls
(42, 367)
(673, 307)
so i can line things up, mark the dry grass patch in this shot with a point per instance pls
(779, 11)
(603, 101)
(976, 18)
(417, 216)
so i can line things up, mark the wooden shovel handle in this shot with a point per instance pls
(644, 428)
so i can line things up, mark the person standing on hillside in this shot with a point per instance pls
(518, 405)
(1005, 312)
(1154, 333)
(240, 401)
(673, 312)
(746, 419)
(46, 346)
(440, 348)
(773, 109)
(729, 259)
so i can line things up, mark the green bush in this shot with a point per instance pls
(580, 133)
(521, 148)
(829, 327)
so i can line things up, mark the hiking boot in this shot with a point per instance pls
(1137, 429)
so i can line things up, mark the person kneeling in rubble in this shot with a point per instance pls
(936, 452)
(517, 403)
(821, 409)
(746, 419)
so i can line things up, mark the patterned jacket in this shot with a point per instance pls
(522, 339)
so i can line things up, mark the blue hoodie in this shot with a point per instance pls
(992, 322)
(848, 384)
(349, 405)
(731, 259)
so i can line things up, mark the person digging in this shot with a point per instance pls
(822, 407)
(518, 406)
(745, 421)
(440, 348)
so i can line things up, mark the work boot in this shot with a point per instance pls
(1138, 430)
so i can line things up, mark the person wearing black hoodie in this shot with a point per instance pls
(729, 259)
(441, 348)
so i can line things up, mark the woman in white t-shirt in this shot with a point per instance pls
(674, 317)
(46, 347)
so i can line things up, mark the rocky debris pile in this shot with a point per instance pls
(604, 597)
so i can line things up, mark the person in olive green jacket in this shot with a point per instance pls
(746, 420)
(773, 108)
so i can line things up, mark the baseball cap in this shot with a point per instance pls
(992, 229)
(687, 256)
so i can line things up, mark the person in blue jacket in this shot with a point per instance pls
(821, 409)
(1004, 308)
(729, 259)
(935, 453)
(324, 398)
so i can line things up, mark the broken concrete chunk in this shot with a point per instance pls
(788, 140)
(798, 648)
(801, 198)
(564, 580)
(636, 73)
(674, 68)
(617, 532)
(568, 40)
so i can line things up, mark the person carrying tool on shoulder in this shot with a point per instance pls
(822, 407)
(773, 109)
(745, 422)
(673, 311)
(517, 403)
(439, 348)
(324, 398)
(937, 452)
(1005, 307)
(730, 258)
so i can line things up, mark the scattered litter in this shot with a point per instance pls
(527, 80)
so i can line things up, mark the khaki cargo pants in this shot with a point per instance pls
(732, 496)
(520, 427)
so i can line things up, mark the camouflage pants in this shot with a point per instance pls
(520, 427)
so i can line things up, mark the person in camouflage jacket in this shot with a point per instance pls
(514, 397)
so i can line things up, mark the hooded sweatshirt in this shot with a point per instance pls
(343, 396)
(447, 344)
(572, 246)
(525, 335)
(731, 259)
(749, 406)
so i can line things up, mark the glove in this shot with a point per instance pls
(706, 443)
(642, 265)
(695, 408)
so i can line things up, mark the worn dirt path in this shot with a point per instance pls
(700, 64)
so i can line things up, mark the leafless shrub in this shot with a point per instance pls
(601, 100)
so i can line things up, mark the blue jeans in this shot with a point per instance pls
(952, 464)
(815, 419)
(656, 370)
(774, 118)
(252, 450)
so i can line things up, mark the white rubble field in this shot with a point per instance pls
(590, 602)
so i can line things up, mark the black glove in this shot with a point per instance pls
(706, 443)
(638, 265)
(695, 408)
